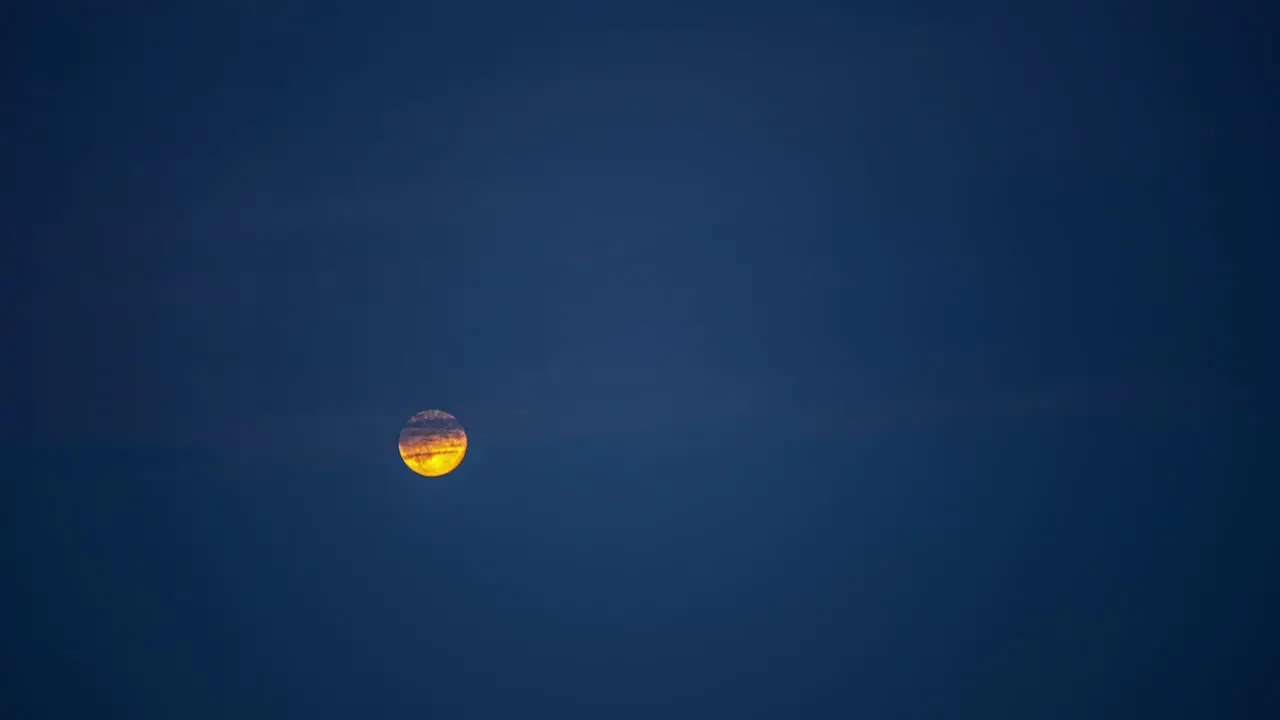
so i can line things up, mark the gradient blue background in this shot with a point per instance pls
(871, 360)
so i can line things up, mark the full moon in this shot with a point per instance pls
(432, 443)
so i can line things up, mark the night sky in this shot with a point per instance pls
(818, 360)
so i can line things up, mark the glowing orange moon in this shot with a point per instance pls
(432, 443)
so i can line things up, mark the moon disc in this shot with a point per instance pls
(432, 443)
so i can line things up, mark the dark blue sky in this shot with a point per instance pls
(882, 360)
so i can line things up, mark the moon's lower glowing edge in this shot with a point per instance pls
(433, 443)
